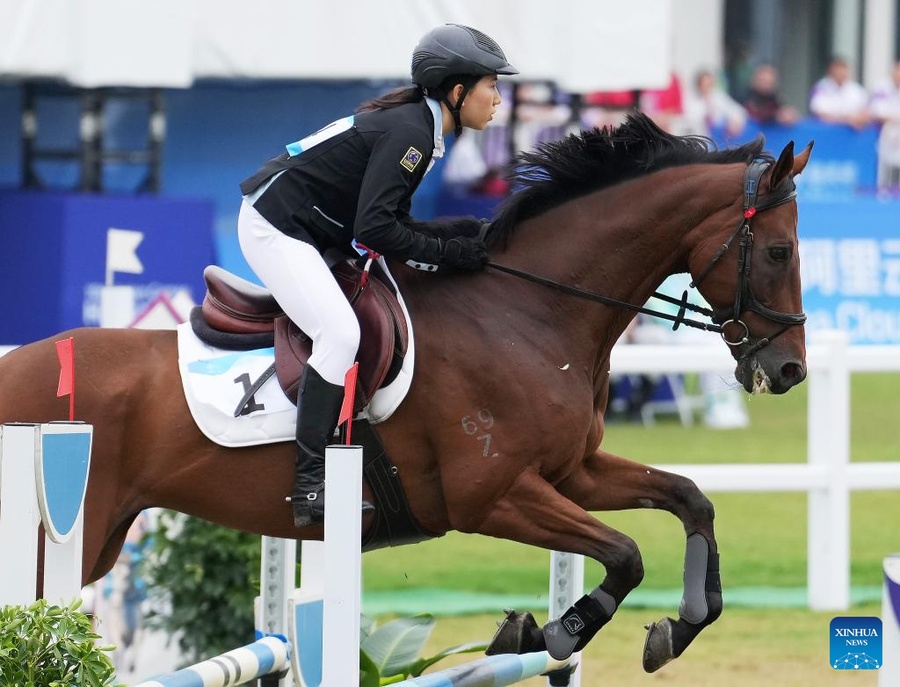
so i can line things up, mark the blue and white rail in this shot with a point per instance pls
(264, 657)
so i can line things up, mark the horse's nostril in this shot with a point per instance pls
(792, 371)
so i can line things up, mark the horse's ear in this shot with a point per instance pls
(801, 159)
(784, 166)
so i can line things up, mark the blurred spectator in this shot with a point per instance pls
(709, 109)
(839, 99)
(611, 100)
(543, 114)
(664, 105)
(607, 108)
(739, 61)
(763, 102)
(465, 163)
(884, 107)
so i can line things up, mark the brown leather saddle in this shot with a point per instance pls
(239, 315)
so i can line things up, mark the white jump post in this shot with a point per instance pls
(277, 576)
(343, 566)
(889, 674)
(322, 616)
(274, 612)
(43, 480)
(828, 413)
(566, 587)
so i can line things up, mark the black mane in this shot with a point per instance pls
(596, 158)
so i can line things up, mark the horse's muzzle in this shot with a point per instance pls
(759, 378)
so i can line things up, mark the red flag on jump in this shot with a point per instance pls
(349, 398)
(65, 351)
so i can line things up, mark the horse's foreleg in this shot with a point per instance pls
(608, 482)
(533, 512)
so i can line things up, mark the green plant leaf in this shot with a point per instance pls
(366, 627)
(417, 667)
(396, 644)
(51, 646)
(368, 671)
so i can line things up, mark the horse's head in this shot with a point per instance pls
(750, 275)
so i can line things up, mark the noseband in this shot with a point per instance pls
(744, 298)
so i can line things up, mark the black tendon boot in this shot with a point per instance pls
(318, 406)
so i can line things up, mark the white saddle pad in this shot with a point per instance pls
(215, 380)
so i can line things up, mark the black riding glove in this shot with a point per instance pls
(446, 228)
(464, 253)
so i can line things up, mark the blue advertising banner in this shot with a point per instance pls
(850, 268)
(58, 247)
(844, 162)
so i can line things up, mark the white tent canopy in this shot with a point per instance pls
(582, 45)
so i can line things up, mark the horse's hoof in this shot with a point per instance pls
(658, 647)
(519, 633)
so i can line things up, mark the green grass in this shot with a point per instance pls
(762, 537)
(745, 648)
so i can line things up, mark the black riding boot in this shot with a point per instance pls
(318, 406)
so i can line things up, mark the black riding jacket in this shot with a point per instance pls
(355, 179)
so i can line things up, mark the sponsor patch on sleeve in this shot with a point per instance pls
(412, 158)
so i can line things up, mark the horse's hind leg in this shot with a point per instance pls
(608, 482)
(533, 512)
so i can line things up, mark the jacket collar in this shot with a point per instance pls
(438, 117)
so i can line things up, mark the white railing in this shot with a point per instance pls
(828, 475)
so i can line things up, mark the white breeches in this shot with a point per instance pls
(298, 278)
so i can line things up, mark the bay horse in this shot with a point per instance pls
(521, 364)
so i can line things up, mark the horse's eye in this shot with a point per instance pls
(780, 253)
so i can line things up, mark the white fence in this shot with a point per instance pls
(828, 475)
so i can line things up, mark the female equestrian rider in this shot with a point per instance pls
(351, 183)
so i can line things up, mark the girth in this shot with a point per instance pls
(394, 521)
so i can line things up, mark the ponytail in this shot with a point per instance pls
(394, 98)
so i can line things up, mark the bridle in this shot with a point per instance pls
(744, 299)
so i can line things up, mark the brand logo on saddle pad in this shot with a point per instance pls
(62, 467)
(411, 160)
(856, 643)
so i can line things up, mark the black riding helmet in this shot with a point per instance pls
(454, 50)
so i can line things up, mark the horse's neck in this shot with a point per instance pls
(624, 241)
(620, 237)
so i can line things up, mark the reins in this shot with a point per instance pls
(743, 299)
(584, 294)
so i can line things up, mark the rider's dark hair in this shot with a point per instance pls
(468, 81)
(413, 94)
(393, 98)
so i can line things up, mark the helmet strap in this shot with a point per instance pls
(455, 109)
